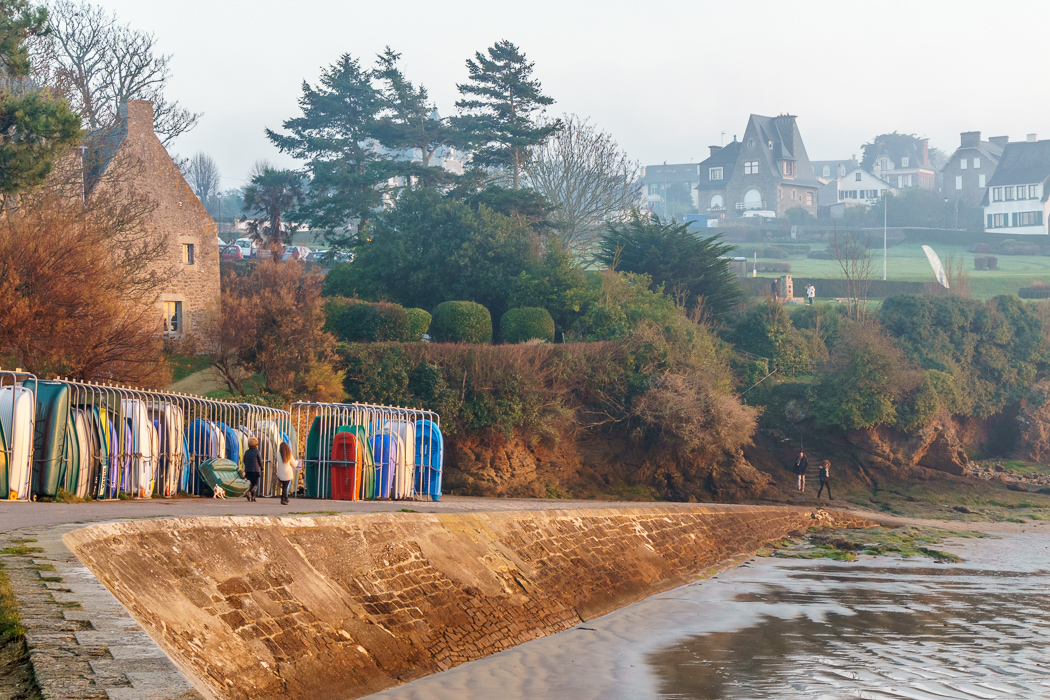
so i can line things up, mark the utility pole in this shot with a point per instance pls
(885, 209)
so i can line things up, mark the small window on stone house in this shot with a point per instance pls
(187, 253)
(962, 164)
(173, 317)
(976, 163)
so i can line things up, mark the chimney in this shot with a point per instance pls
(715, 149)
(926, 152)
(1032, 138)
(999, 141)
(786, 126)
(138, 114)
(970, 139)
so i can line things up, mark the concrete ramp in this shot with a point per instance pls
(344, 606)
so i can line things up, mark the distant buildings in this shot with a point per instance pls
(1016, 198)
(857, 187)
(714, 176)
(670, 190)
(967, 172)
(828, 170)
(903, 161)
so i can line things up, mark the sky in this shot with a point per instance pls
(665, 78)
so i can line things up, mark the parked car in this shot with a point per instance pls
(317, 255)
(245, 245)
(230, 252)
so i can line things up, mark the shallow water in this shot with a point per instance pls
(782, 628)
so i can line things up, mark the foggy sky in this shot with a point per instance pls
(666, 78)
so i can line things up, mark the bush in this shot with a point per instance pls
(820, 255)
(526, 323)
(334, 308)
(774, 267)
(418, 323)
(363, 322)
(774, 252)
(461, 322)
(985, 262)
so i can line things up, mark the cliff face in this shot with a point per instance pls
(341, 607)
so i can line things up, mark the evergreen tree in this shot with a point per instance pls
(410, 121)
(499, 108)
(336, 136)
(35, 128)
(269, 195)
(685, 265)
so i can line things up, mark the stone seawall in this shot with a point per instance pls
(344, 606)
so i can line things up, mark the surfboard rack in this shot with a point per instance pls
(17, 408)
(399, 450)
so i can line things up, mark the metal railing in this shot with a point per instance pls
(17, 411)
(368, 451)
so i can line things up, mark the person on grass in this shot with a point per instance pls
(801, 464)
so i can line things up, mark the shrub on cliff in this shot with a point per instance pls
(526, 323)
(766, 330)
(461, 322)
(364, 322)
(418, 323)
(865, 379)
(558, 284)
(624, 302)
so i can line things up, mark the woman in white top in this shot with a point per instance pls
(286, 467)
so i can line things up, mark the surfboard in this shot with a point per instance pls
(49, 437)
(404, 470)
(81, 482)
(169, 419)
(144, 447)
(269, 443)
(17, 414)
(344, 467)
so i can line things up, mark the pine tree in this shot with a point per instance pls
(336, 136)
(499, 108)
(35, 128)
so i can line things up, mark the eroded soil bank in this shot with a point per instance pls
(340, 607)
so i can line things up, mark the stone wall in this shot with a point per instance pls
(340, 607)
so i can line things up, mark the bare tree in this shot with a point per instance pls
(589, 180)
(202, 173)
(856, 261)
(96, 63)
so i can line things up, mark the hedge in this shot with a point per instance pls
(526, 323)
(1034, 293)
(461, 322)
(418, 323)
(364, 322)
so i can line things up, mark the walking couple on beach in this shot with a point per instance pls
(824, 473)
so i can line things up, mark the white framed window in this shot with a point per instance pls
(187, 253)
(904, 161)
(788, 168)
(1033, 192)
(997, 194)
(842, 171)
(962, 164)
(714, 173)
(654, 189)
(751, 167)
(717, 202)
(172, 317)
(827, 171)
(1030, 218)
(958, 182)
(980, 180)
(1008, 193)
(809, 199)
(976, 163)
(858, 177)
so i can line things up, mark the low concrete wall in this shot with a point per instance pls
(344, 606)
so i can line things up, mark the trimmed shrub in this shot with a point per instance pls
(526, 323)
(461, 322)
(334, 308)
(418, 323)
(985, 262)
(364, 322)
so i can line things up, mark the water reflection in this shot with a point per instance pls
(864, 631)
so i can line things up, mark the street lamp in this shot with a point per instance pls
(885, 209)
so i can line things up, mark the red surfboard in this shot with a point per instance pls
(344, 467)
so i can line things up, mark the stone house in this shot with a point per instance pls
(189, 300)
(772, 171)
(967, 172)
(1017, 200)
(714, 176)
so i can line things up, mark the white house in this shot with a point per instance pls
(860, 188)
(1016, 200)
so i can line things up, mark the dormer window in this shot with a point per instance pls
(789, 169)
(904, 161)
(827, 171)
(842, 171)
(714, 173)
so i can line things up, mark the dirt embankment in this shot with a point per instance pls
(340, 607)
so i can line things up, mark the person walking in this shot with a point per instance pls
(811, 292)
(801, 464)
(252, 467)
(774, 288)
(825, 479)
(287, 465)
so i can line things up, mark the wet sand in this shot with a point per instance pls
(880, 627)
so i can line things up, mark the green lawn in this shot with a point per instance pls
(907, 262)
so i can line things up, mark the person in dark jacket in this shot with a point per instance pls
(801, 464)
(774, 288)
(825, 479)
(252, 467)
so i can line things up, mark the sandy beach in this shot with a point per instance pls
(880, 627)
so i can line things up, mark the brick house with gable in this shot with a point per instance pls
(772, 171)
(189, 300)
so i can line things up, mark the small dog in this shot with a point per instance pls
(219, 492)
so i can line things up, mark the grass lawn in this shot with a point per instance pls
(907, 262)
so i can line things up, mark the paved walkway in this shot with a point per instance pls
(82, 642)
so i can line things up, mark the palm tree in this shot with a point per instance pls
(270, 194)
